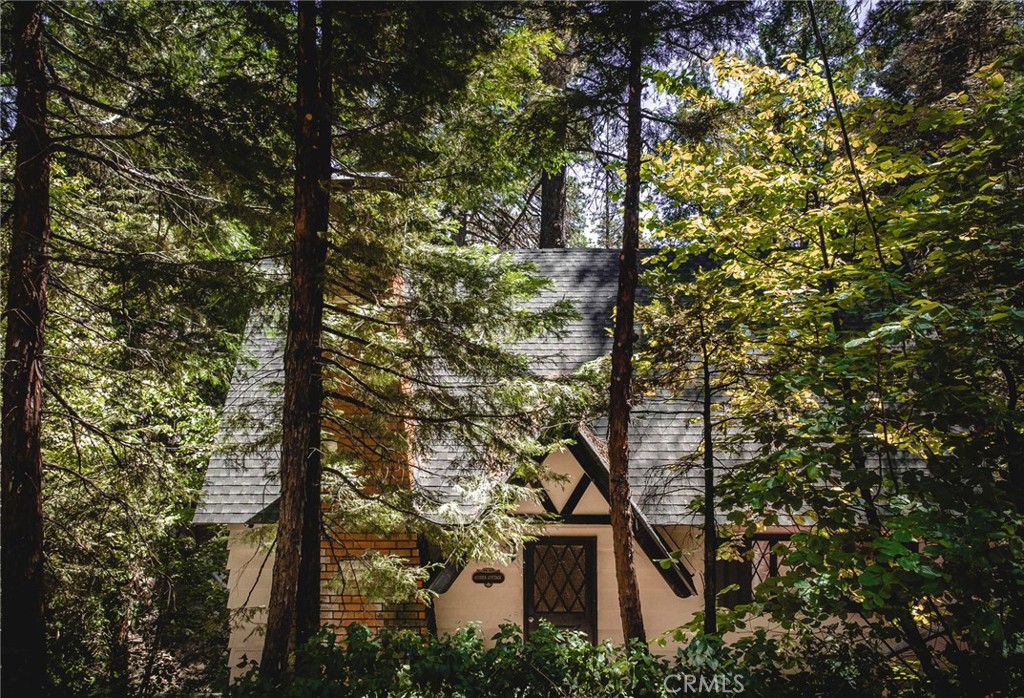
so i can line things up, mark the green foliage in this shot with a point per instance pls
(548, 664)
(922, 52)
(444, 99)
(150, 284)
(172, 127)
(876, 346)
(434, 350)
(552, 663)
(871, 346)
(387, 578)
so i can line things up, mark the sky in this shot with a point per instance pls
(590, 176)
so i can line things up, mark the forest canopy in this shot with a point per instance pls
(820, 215)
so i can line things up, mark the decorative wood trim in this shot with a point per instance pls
(595, 471)
(545, 501)
(587, 519)
(576, 496)
(677, 576)
(545, 498)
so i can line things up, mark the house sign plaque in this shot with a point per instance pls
(488, 576)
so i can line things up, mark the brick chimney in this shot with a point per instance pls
(342, 602)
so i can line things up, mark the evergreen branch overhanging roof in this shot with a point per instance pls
(241, 484)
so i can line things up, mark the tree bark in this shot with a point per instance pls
(556, 72)
(462, 236)
(300, 431)
(307, 620)
(622, 365)
(552, 208)
(22, 616)
(710, 525)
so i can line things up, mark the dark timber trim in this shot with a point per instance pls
(584, 519)
(595, 471)
(679, 579)
(576, 496)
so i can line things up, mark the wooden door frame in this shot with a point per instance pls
(589, 575)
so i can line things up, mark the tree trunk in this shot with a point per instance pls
(622, 367)
(302, 390)
(555, 72)
(710, 531)
(552, 208)
(462, 236)
(23, 640)
(307, 620)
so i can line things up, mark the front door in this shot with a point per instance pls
(561, 584)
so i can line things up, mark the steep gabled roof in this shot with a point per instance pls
(241, 482)
(241, 479)
(589, 279)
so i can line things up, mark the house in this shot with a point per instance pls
(567, 576)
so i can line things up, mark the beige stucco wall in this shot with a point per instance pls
(466, 602)
(250, 565)
(690, 539)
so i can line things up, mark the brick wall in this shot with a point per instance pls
(342, 602)
(383, 467)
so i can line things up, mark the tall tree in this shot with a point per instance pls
(653, 31)
(303, 389)
(140, 239)
(883, 360)
(23, 642)
(307, 618)
(703, 364)
(710, 520)
(622, 353)
(556, 72)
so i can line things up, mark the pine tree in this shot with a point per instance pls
(556, 71)
(23, 655)
(396, 323)
(622, 356)
(147, 292)
(294, 617)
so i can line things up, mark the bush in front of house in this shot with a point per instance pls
(551, 663)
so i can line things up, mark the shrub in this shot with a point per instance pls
(396, 663)
(554, 663)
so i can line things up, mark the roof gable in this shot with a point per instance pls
(241, 483)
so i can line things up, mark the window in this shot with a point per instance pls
(761, 560)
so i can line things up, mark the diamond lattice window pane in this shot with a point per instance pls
(559, 580)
